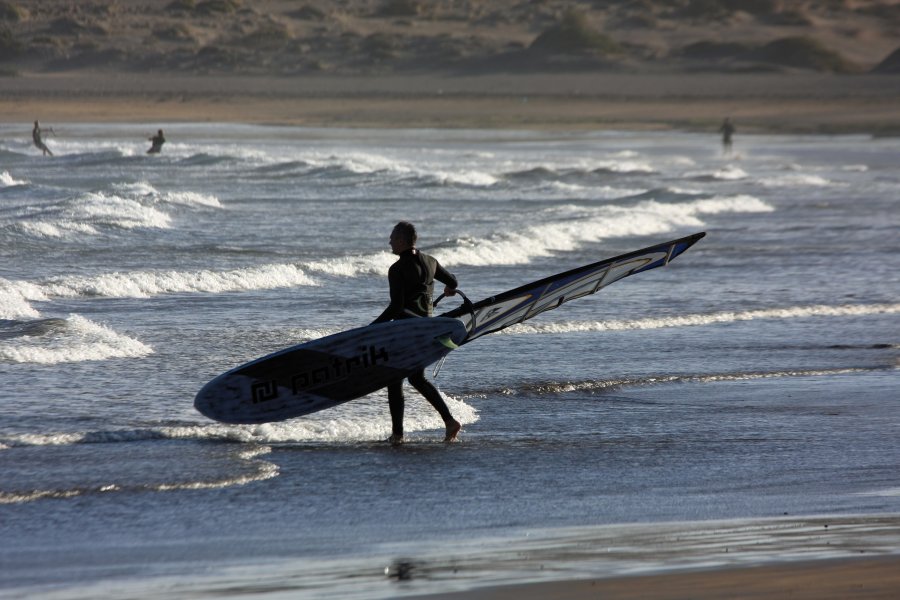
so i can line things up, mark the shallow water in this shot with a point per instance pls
(753, 377)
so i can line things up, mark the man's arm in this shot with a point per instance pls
(447, 278)
(395, 308)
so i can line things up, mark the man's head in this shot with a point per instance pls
(403, 237)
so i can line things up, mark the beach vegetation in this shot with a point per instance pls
(380, 46)
(709, 50)
(220, 7)
(574, 34)
(12, 13)
(891, 64)
(270, 34)
(69, 26)
(803, 52)
(754, 7)
(400, 8)
(308, 12)
(181, 6)
(10, 46)
(792, 17)
(711, 10)
(218, 57)
(179, 32)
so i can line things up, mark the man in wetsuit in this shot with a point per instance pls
(38, 141)
(156, 143)
(411, 281)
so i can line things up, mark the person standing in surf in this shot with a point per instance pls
(156, 142)
(727, 131)
(38, 140)
(411, 281)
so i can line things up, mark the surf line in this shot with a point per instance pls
(797, 312)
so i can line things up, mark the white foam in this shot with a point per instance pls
(624, 166)
(144, 190)
(796, 180)
(885, 493)
(7, 180)
(795, 312)
(191, 199)
(362, 420)
(127, 213)
(726, 173)
(470, 178)
(143, 284)
(127, 206)
(563, 228)
(15, 297)
(352, 266)
(81, 340)
(57, 229)
(263, 470)
(591, 225)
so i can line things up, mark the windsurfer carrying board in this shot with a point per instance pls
(411, 281)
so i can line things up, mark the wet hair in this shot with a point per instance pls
(407, 231)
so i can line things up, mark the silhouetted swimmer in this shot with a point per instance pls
(156, 142)
(38, 141)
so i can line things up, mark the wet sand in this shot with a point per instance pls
(777, 103)
(840, 579)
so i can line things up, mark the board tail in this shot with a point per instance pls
(499, 312)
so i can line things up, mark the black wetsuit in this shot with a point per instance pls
(411, 279)
(38, 142)
(156, 143)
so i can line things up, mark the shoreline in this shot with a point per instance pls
(873, 578)
(765, 103)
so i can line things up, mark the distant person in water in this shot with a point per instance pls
(727, 130)
(156, 142)
(38, 141)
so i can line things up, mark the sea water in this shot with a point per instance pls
(755, 377)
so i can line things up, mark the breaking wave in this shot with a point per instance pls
(794, 312)
(74, 339)
(600, 385)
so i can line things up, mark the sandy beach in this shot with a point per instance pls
(869, 578)
(775, 103)
(770, 66)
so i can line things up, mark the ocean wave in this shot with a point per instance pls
(7, 180)
(727, 173)
(12, 328)
(601, 385)
(364, 422)
(592, 225)
(143, 189)
(563, 228)
(144, 284)
(796, 180)
(252, 469)
(470, 178)
(77, 339)
(15, 298)
(88, 214)
(794, 312)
